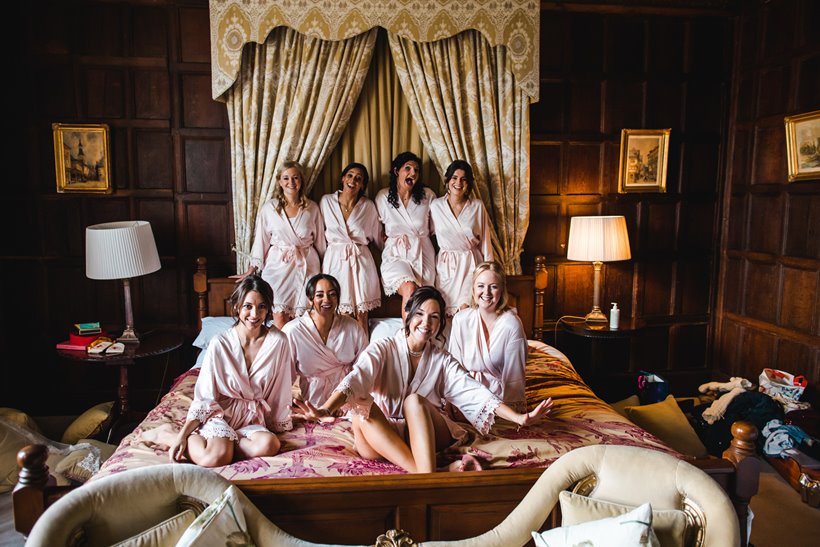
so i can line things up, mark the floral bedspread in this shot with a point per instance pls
(578, 418)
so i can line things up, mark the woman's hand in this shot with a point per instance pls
(303, 410)
(178, 448)
(240, 277)
(536, 414)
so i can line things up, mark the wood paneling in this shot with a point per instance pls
(143, 68)
(778, 240)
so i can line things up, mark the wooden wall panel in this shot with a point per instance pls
(778, 239)
(143, 68)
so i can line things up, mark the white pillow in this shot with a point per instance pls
(211, 326)
(220, 523)
(384, 327)
(633, 529)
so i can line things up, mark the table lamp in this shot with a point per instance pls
(121, 250)
(598, 239)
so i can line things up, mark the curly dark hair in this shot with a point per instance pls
(468, 174)
(251, 283)
(418, 188)
(419, 297)
(365, 176)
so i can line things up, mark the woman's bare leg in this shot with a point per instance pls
(427, 431)
(361, 317)
(260, 443)
(212, 452)
(406, 290)
(279, 320)
(375, 438)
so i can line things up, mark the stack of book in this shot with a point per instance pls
(81, 335)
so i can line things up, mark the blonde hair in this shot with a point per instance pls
(495, 267)
(279, 194)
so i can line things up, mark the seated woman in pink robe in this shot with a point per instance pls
(323, 343)
(398, 389)
(489, 339)
(243, 392)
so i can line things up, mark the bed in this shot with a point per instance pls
(318, 488)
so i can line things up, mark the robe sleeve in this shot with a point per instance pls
(513, 374)
(261, 239)
(485, 226)
(475, 401)
(319, 241)
(375, 228)
(358, 384)
(455, 345)
(204, 405)
(279, 399)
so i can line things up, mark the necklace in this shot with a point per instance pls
(415, 353)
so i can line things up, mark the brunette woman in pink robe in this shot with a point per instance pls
(324, 344)
(351, 223)
(243, 392)
(409, 258)
(463, 236)
(289, 243)
(398, 389)
(489, 339)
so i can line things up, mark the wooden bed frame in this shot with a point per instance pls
(434, 506)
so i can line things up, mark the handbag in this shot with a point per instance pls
(652, 388)
(777, 382)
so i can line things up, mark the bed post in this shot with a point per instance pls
(29, 497)
(540, 275)
(201, 289)
(743, 454)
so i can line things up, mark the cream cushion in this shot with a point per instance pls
(632, 529)
(669, 524)
(165, 534)
(221, 523)
(79, 465)
(88, 424)
(20, 418)
(666, 421)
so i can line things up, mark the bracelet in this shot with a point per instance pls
(323, 411)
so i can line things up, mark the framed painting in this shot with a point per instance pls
(81, 158)
(803, 146)
(643, 160)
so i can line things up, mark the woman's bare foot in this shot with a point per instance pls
(466, 463)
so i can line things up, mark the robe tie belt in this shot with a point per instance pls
(340, 369)
(293, 253)
(256, 409)
(402, 242)
(350, 251)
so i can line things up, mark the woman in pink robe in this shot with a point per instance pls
(409, 259)
(489, 338)
(324, 344)
(398, 389)
(243, 391)
(289, 243)
(351, 223)
(463, 236)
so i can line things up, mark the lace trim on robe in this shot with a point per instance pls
(362, 307)
(486, 416)
(390, 290)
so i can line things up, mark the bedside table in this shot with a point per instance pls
(151, 345)
(600, 355)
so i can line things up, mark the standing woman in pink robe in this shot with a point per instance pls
(409, 259)
(351, 222)
(289, 243)
(323, 343)
(243, 391)
(398, 389)
(489, 338)
(463, 236)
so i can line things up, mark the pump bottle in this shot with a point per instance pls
(614, 317)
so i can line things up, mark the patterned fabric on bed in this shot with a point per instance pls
(578, 418)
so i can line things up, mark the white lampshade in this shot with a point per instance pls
(119, 250)
(598, 239)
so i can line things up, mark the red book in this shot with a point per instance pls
(83, 340)
(68, 345)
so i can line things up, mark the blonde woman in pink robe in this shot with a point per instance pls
(489, 338)
(398, 389)
(409, 259)
(243, 392)
(351, 223)
(463, 236)
(324, 344)
(289, 243)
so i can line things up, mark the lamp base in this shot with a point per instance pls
(596, 316)
(129, 336)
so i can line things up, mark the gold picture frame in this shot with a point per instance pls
(81, 158)
(644, 154)
(803, 145)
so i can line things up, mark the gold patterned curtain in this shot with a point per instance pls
(291, 101)
(381, 125)
(464, 98)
